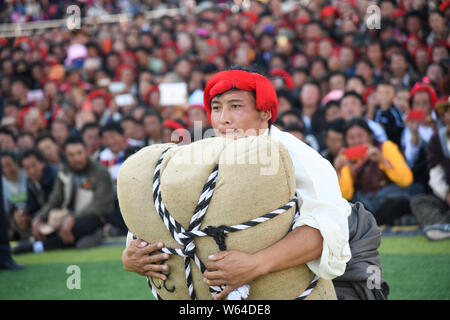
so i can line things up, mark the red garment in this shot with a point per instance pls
(266, 97)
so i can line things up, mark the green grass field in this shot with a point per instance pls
(414, 267)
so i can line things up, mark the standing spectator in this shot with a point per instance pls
(77, 205)
(387, 114)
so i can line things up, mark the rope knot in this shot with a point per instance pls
(218, 233)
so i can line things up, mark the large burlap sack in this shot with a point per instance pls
(255, 177)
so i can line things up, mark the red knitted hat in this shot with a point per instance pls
(266, 97)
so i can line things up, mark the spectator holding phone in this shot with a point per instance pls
(373, 173)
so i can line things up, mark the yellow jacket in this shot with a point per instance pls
(400, 173)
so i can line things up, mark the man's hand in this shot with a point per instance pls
(35, 229)
(141, 257)
(65, 232)
(22, 218)
(231, 268)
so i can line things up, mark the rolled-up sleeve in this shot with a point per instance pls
(321, 206)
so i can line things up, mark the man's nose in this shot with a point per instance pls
(225, 116)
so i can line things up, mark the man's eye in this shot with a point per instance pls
(235, 106)
(215, 108)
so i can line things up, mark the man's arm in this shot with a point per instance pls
(236, 268)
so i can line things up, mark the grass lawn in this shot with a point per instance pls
(414, 267)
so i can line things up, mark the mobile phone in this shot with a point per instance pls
(417, 115)
(116, 87)
(124, 99)
(355, 153)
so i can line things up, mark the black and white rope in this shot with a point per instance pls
(186, 237)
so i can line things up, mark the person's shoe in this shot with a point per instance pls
(428, 210)
(90, 240)
(23, 247)
(438, 231)
(10, 264)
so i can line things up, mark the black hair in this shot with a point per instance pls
(337, 125)
(111, 126)
(74, 139)
(32, 152)
(295, 127)
(43, 137)
(129, 118)
(152, 113)
(8, 132)
(358, 122)
(354, 94)
(357, 76)
(11, 154)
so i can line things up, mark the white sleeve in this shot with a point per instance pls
(437, 182)
(321, 207)
(129, 238)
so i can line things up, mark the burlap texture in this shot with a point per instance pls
(247, 187)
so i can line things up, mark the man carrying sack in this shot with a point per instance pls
(240, 103)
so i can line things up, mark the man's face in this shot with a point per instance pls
(9, 168)
(152, 127)
(33, 168)
(91, 138)
(385, 94)
(334, 141)
(76, 155)
(114, 141)
(49, 149)
(351, 108)
(234, 115)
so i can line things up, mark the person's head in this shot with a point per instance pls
(196, 113)
(46, 144)
(25, 140)
(334, 136)
(357, 132)
(291, 117)
(60, 131)
(310, 94)
(398, 64)
(351, 105)
(90, 133)
(33, 163)
(7, 139)
(337, 80)
(152, 122)
(98, 105)
(356, 83)
(331, 111)
(10, 165)
(76, 153)
(422, 97)
(240, 103)
(113, 137)
(131, 127)
(296, 130)
(385, 93)
(401, 99)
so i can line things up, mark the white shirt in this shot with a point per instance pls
(321, 204)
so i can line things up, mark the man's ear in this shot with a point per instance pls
(266, 115)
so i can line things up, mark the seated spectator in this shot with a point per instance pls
(14, 192)
(197, 122)
(297, 131)
(292, 119)
(47, 145)
(331, 111)
(356, 83)
(310, 98)
(378, 178)
(433, 209)
(76, 209)
(60, 131)
(387, 114)
(352, 106)
(39, 184)
(334, 139)
(153, 128)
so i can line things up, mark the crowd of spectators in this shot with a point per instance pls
(373, 101)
